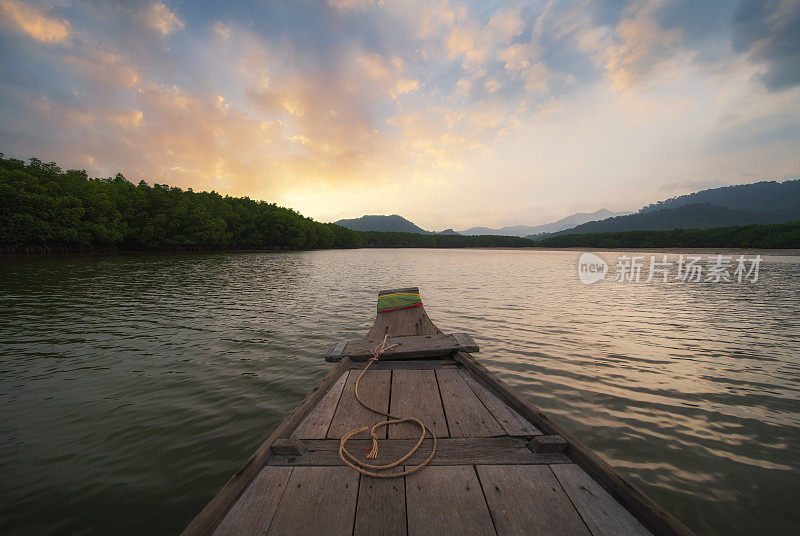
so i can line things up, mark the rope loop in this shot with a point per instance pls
(369, 469)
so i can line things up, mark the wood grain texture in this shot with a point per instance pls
(466, 342)
(446, 500)
(317, 500)
(335, 351)
(381, 509)
(602, 514)
(650, 513)
(412, 364)
(415, 393)
(407, 347)
(287, 446)
(466, 415)
(374, 390)
(210, 516)
(453, 451)
(317, 422)
(393, 290)
(527, 499)
(403, 322)
(253, 512)
(548, 443)
(511, 421)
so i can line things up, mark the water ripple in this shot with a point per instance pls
(132, 387)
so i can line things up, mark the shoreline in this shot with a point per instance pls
(789, 252)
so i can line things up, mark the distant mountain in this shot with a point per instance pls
(564, 223)
(448, 232)
(383, 224)
(743, 204)
(697, 216)
(765, 196)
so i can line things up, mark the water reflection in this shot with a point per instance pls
(132, 387)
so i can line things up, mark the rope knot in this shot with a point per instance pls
(373, 453)
(364, 467)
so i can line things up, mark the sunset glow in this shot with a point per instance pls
(452, 114)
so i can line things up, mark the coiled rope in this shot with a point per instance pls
(367, 468)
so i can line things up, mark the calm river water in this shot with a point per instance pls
(132, 387)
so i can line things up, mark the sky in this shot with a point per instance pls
(452, 114)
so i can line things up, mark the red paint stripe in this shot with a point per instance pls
(398, 308)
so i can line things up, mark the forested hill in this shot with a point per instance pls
(764, 196)
(393, 223)
(775, 236)
(44, 209)
(698, 216)
(744, 204)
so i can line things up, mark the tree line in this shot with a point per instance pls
(45, 209)
(771, 236)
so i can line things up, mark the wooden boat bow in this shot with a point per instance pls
(502, 465)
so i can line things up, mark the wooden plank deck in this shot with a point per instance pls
(483, 480)
(487, 476)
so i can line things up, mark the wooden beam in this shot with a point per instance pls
(650, 513)
(547, 443)
(450, 451)
(207, 520)
(410, 364)
(408, 347)
(335, 352)
(287, 446)
(392, 291)
(466, 342)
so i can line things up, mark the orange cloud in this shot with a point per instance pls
(387, 73)
(505, 25)
(160, 18)
(102, 66)
(35, 23)
(642, 47)
(126, 119)
(221, 30)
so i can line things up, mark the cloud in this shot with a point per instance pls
(506, 24)
(307, 102)
(102, 66)
(641, 47)
(35, 23)
(387, 73)
(354, 4)
(160, 18)
(126, 119)
(221, 30)
(769, 33)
